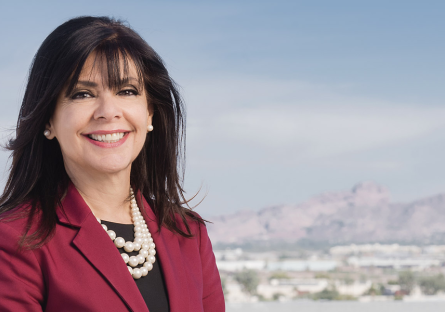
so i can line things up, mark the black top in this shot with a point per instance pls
(151, 286)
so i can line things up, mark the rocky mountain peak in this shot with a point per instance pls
(362, 214)
(369, 193)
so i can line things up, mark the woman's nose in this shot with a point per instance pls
(108, 107)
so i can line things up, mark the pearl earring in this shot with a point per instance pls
(46, 133)
(149, 128)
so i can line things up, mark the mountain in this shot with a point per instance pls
(364, 214)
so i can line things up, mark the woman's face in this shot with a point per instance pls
(99, 129)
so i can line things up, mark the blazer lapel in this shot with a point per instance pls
(169, 252)
(94, 243)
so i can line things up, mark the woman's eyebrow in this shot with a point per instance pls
(86, 83)
(92, 84)
(128, 79)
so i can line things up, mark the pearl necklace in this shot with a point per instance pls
(143, 242)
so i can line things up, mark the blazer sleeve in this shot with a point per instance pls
(21, 279)
(213, 297)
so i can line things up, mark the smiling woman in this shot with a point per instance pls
(94, 207)
(101, 127)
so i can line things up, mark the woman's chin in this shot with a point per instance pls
(111, 168)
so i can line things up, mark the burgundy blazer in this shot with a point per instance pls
(80, 269)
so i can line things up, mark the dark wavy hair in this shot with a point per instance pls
(37, 174)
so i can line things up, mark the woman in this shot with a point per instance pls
(92, 215)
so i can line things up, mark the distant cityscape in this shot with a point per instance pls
(368, 272)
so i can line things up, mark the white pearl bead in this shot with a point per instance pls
(138, 240)
(138, 229)
(137, 223)
(130, 269)
(119, 242)
(129, 247)
(104, 227)
(151, 259)
(136, 246)
(133, 261)
(137, 273)
(144, 252)
(150, 240)
(138, 234)
(152, 245)
(140, 258)
(112, 234)
(148, 265)
(146, 241)
(125, 257)
(152, 252)
(98, 220)
(144, 271)
(145, 246)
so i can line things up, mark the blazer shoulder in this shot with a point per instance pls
(17, 218)
(21, 276)
(195, 222)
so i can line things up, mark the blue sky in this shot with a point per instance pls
(286, 99)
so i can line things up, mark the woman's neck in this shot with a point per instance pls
(106, 194)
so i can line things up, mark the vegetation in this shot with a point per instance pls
(249, 280)
(430, 285)
(322, 275)
(331, 294)
(375, 290)
(326, 294)
(348, 280)
(276, 296)
(407, 281)
(223, 285)
(279, 275)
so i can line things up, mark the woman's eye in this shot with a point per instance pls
(81, 95)
(128, 92)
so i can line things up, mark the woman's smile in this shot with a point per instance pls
(107, 138)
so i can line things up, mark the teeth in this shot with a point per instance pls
(107, 138)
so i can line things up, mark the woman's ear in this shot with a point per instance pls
(49, 131)
(150, 119)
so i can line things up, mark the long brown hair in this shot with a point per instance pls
(37, 174)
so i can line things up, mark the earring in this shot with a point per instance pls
(149, 128)
(46, 133)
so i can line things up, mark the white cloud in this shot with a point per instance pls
(300, 119)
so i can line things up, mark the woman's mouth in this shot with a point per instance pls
(107, 138)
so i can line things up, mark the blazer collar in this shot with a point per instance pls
(107, 260)
(74, 210)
